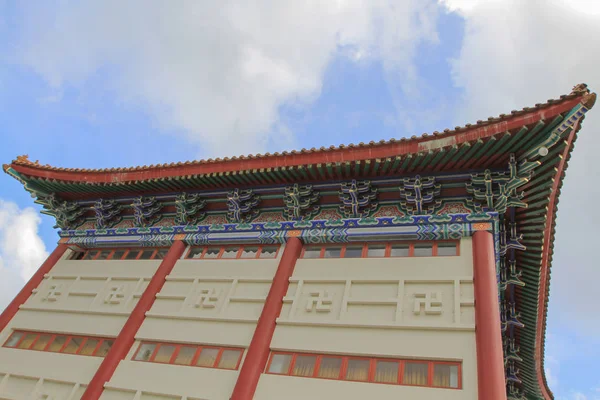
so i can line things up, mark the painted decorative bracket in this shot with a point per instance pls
(358, 199)
(188, 209)
(242, 205)
(419, 195)
(68, 214)
(107, 213)
(145, 211)
(300, 202)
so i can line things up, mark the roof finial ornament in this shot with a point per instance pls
(24, 159)
(580, 89)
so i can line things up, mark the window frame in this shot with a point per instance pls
(372, 368)
(195, 358)
(53, 336)
(112, 251)
(238, 254)
(388, 249)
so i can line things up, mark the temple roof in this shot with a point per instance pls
(542, 135)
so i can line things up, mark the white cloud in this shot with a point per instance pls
(22, 251)
(219, 71)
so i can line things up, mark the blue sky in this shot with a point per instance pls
(107, 85)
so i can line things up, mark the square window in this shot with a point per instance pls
(304, 366)
(104, 254)
(423, 249)
(27, 341)
(312, 252)
(212, 252)
(145, 352)
(42, 342)
(280, 364)
(185, 356)
(353, 252)
(132, 255)
(376, 250)
(230, 252)
(57, 344)
(445, 375)
(146, 255)
(208, 357)
(333, 252)
(118, 254)
(164, 353)
(268, 252)
(386, 372)
(229, 359)
(415, 374)
(104, 348)
(13, 339)
(400, 250)
(89, 347)
(358, 370)
(249, 252)
(73, 345)
(446, 249)
(90, 254)
(195, 252)
(330, 367)
(77, 255)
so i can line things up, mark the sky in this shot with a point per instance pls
(112, 84)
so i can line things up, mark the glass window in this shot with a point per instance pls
(196, 252)
(90, 254)
(89, 347)
(353, 252)
(207, 357)
(145, 352)
(185, 356)
(304, 365)
(164, 353)
(400, 250)
(445, 375)
(27, 341)
(118, 254)
(333, 252)
(330, 367)
(423, 249)
(415, 374)
(13, 339)
(132, 255)
(146, 254)
(280, 363)
(104, 254)
(57, 343)
(268, 252)
(376, 250)
(229, 359)
(358, 370)
(73, 345)
(230, 252)
(42, 342)
(160, 254)
(249, 252)
(212, 252)
(312, 252)
(386, 372)
(446, 249)
(104, 348)
(77, 255)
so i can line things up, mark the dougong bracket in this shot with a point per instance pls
(68, 214)
(188, 209)
(146, 211)
(419, 195)
(300, 202)
(242, 205)
(358, 199)
(107, 213)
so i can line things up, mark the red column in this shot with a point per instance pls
(33, 283)
(490, 357)
(125, 340)
(258, 352)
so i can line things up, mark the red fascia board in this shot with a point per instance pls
(325, 156)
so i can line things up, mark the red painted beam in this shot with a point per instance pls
(35, 281)
(126, 337)
(258, 352)
(343, 154)
(488, 334)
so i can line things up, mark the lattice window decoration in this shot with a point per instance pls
(230, 252)
(59, 343)
(385, 249)
(190, 355)
(119, 254)
(440, 374)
